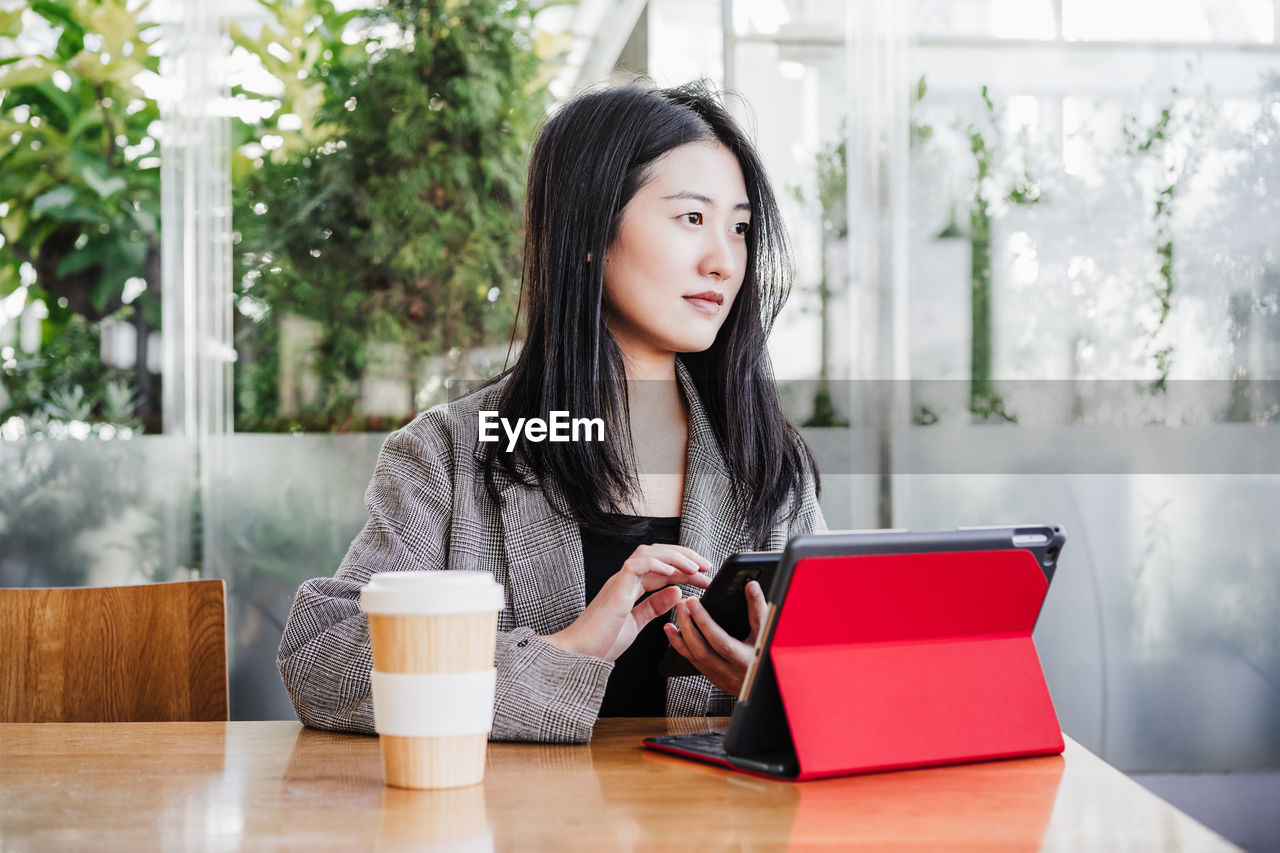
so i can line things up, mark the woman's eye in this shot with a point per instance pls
(741, 228)
(693, 218)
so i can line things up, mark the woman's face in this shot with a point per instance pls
(680, 254)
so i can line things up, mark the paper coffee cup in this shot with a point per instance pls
(433, 679)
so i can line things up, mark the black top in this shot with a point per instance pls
(636, 688)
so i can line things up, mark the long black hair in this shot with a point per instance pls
(589, 160)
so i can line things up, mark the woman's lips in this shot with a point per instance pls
(707, 303)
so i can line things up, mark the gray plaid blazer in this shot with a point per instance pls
(429, 509)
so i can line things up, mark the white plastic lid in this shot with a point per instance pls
(430, 593)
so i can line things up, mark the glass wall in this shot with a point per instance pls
(91, 491)
(1111, 178)
(1034, 261)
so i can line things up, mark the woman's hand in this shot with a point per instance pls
(717, 655)
(611, 621)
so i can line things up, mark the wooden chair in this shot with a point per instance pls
(114, 654)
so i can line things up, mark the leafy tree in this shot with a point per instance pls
(298, 45)
(80, 177)
(405, 224)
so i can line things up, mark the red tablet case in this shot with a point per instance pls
(907, 660)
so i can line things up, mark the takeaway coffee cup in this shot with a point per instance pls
(433, 675)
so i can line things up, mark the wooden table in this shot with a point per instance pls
(276, 785)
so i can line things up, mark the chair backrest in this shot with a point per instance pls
(144, 653)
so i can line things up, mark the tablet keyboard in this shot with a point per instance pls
(709, 746)
(707, 743)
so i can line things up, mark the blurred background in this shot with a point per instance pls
(1037, 279)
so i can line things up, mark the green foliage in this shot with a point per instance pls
(833, 183)
(1026, 190)
(992, 407)
(832, 172)
(920, 133)
(981, 395)
(405, 224)
(924, 416)
(825, 413)
(983, 137)
(300, 43)
(1154, 142)
(66, 382)
(79, 179)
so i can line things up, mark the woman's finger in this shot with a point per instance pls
(655, 605)
(639, 566)
(699, 580)
(677, 642)
(677, 555)
(655, 580)
(702, 562)
(757, 610)
(655, 574)
(655, 565)
(680, 560)
(724, 645)
(700, 652)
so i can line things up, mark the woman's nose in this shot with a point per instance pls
(717, 257)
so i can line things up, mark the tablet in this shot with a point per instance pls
(887, 650)
(726, 601)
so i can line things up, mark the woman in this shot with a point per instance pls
(655, 260)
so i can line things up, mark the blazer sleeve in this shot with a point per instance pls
(543, 693)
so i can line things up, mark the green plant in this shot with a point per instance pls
(984, 401)
(80, 179)
(65, 382)
(404, 224)
(1156, 143)
(980, 264)
(299, 45)
(920, 132)
(831, 167)
(924, 416)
